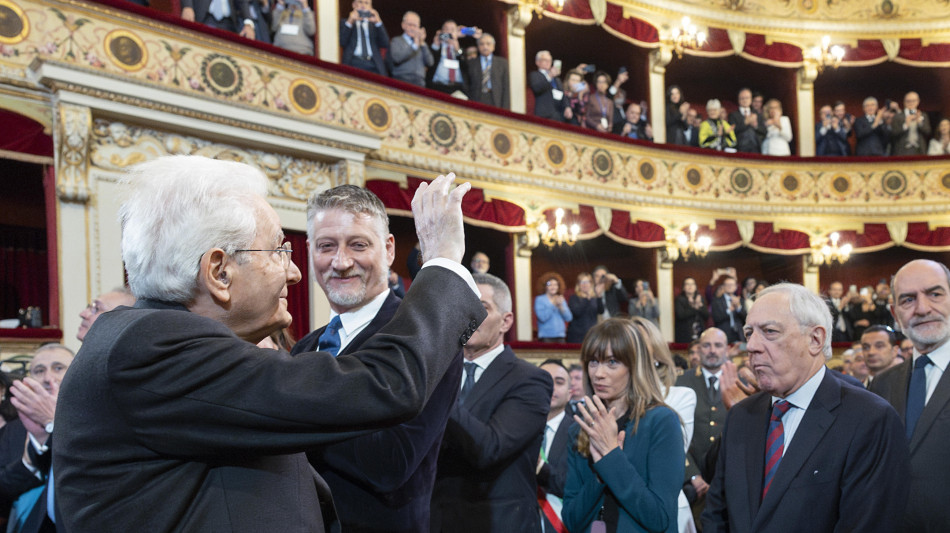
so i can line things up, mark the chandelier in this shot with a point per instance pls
(823, 253)
(539, 6)
(681, 245)
(686, 36)
(560, 233)
(826, 55)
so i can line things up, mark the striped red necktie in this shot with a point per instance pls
(775, 444)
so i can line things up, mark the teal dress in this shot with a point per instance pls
(644, 478)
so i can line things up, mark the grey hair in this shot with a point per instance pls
(538, 55)
(53, 346)
(351, 199)
(486, 35)
(180, 207)
(807, 307)
(946, 272)
(502, 296)
(869, 99)
(714, 104)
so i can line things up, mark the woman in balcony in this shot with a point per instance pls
(778, 130)
(691, 312)
(585, 307)
(576, 92)
(644, 304)
(715, 132)
(676, 111)
(940, 144)
(550, 308)
(626, 460)
(600, 106)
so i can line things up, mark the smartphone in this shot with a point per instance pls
(646, 285)
(853, 288)
(590, 69)
(557, 64)
(865, 291)
(622, 70)
(467, 31)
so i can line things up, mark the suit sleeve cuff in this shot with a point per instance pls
(458, 269)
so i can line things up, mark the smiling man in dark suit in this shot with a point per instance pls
(919, 389)
(381, 482)
(172, 419)
(809, 452)
(486, 477)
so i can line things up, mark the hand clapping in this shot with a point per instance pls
(600, 424)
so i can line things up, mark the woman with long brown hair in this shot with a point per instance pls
(626, 467)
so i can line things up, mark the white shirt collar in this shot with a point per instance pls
(802, 397)
(555, 422)
(483, 361)
(939, 357)
(354, 321)
(707, 374)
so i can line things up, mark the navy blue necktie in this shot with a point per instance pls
(916, 394)
(329, 341)
(469, 381)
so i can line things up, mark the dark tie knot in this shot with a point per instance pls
(922, 362)
(470, 369)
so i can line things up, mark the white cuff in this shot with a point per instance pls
(458, 269)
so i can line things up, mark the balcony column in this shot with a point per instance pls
(523, 244)
(659, 59)
(328, 30)
(664, 285)
(805, 92)
(519, 16)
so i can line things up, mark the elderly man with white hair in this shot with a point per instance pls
(808, 453)
(171, 419)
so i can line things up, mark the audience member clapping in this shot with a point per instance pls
(831, 139)
(778, 130)
(409, 56)
(644, 304)
(872, 131)
(636, 126)
(716, 133)
(749, 125)
(551, 309)
(577, 93)
(585, 308)
(294, 26)
(626, 455)
(676, 116)
(691, 313)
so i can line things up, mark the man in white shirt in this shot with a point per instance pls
(919, 389)
(808, 453)
(552, 463)
(486, 479)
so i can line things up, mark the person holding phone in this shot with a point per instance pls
(362, 36)
(549, 100)
(447, 75)
(577, 94)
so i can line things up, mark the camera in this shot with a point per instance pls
(445, 37)
(364, 13)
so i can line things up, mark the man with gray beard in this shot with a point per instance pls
(919, 389)
(381, 481)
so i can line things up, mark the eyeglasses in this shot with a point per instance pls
(94, 308)
(283, 252)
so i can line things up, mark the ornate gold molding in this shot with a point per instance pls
(72, 170)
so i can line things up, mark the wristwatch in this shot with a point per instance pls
(49, 427)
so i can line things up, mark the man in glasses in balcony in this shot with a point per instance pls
(381, 481)
(172, 401)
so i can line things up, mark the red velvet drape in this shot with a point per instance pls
(23, 270)
(23, 135)
(298, 296)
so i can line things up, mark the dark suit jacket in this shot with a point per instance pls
(687, 317)
(499, 81)
(748, 139)
(553, 474)
(378, 39)
(720, 318)
(870, 141)
(708, 420)
(167, 421)
(545, 106)
(899, 135)
(240, 10)
(927, 511)
(845, 469)
(383, 481)
(486, 478)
